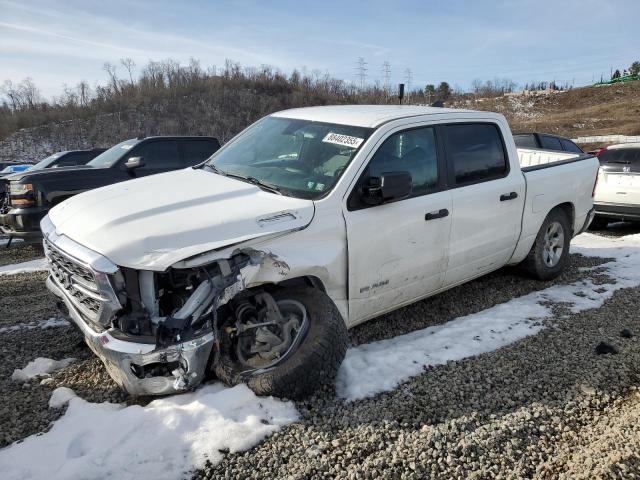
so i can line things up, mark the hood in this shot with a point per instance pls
(153, 222)
(45, 173)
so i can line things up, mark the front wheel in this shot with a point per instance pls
(287, 343)
(549, 254)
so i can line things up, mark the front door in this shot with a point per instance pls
(398, 250)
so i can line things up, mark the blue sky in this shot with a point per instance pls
(59, 42)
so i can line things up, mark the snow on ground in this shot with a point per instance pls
(24, 267)
(379, 366)
(163, 440)
(39, 367)
(60, 397)
(42, 324)
(173, 435)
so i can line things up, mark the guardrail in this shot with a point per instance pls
(608, 139)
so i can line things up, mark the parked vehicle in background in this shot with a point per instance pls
(68, 158)
(7, 163)
(14, 169)
(546, 141)
(31, 194)
(254, 264)
(618, 191)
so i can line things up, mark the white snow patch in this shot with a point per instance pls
(61, 396)
(380, 366)
(39, 367)
(42, 324)
(37, 265)
(163, 440)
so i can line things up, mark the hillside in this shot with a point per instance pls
(602, 110)
(222, 111)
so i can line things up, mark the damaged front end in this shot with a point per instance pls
(155, 331)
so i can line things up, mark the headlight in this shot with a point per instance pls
(16, 188)
(21, 194)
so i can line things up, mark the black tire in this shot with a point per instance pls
(535, 264)
(599, 223)
(316, 361)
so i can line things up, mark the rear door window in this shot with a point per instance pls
(550, 143)
(526, 140)
(621, 159)
(476, 152)
(197, 151)
(569, 146)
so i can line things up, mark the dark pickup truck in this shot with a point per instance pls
(30, 194)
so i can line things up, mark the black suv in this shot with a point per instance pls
(30, 194)
(545, 141)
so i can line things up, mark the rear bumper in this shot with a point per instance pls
(23, 222)
(126, 361)
(618, 211)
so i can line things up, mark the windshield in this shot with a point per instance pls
(111, 156)
(42, 164)
(301, 158)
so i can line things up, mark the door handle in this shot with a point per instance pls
(508, 196)
(443, 212)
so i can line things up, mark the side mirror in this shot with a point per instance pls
(133, 163)
(386, 188)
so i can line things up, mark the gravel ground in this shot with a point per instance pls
(546, 407)
(20, 253)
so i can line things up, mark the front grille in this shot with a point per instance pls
(78, 281)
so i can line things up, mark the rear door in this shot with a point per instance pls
(488, 199)
(398, 251)
(619, 178)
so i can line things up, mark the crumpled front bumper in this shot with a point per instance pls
(123, 358)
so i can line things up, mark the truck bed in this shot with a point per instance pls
(554, 178)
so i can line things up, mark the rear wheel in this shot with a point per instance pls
(287, 343)
(549, 254)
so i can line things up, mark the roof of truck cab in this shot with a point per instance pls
(371, 116)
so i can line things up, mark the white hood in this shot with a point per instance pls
(153, 222)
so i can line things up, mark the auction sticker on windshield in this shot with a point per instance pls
(344, 140)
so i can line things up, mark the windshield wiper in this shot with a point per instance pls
(248, 179)
(211, 167)
(257, 183)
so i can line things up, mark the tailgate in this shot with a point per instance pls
(618, 187)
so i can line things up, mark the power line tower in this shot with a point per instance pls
(386, 75)
(408, 77)
(361, 71)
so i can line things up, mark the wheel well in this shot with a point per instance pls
(569, 210)
(307, 281)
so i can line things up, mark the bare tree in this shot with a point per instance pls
(129, 65)
(84, 93)
(110, 68)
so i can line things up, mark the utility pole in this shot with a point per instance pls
(361, 71)
(408, 76)
(386, 73)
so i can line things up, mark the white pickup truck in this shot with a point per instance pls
(253, 265)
